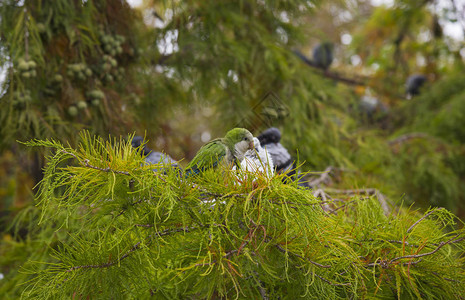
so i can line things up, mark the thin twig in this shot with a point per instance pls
(422, 218)
(371, 191)
(441, 244)
(132, 204)
(301, 257)
(329, 282)
(412, 262)
(85, 163)
(409, 136)
(448, 279)
(214, 261)
(323, 178)
(134, 248)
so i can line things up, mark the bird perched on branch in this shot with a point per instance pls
(323, 55)
(414, 84)
(152, 157)
(228, 151)
(258, 160)
(282, 160)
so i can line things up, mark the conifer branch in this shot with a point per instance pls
(386, 263)
(134, 248)
(445, 278)
(86, 163)
(214, 261)
(441, 244)
(323, 178)
(329, 282)
(409, 136)
(422, 218)
(314, 263)
(109, 264)
(301, 257)
(371, 191)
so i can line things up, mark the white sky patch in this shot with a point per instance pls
(169, 43)
(233, 75)
(152, 20)
(169, 72)
(388, 3)
(205, 136)
(3, 74)
(424, 36)
(454, 30)
(451, 29)
(355, 60)
(284, 17)
(282, 35)
(421, 61)
(346, 39)
(344, 17)
(135, 3)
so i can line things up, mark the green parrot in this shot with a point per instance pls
(228, 150)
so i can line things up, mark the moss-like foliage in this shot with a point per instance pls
(121, 230)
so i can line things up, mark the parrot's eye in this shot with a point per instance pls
(246, 138)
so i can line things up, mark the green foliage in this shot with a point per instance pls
(105, 66)
(55, 54)
(123, 230)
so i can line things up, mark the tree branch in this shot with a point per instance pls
(301, 257)
(371, 191)
(85, 163)
(134, 248)
(409, 136)
(422, 218)
(441, 244)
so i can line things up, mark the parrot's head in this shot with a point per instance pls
(256, 144)
(239, 139)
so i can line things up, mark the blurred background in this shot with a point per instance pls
(373, 88)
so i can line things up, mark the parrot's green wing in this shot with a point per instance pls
(209, 156)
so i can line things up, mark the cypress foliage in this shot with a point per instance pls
(122, 230)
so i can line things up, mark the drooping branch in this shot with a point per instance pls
(385, 263)
(323, 178)
(109, 264)
(406, 137)
(441, 244)
(422, 218)
(280, 248)
(86, 164)
(133, 248)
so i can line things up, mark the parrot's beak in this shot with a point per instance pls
(251, 145)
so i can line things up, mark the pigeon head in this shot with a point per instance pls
(137, 141)
(269, 136)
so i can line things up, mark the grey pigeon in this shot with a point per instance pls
(323, 55)
(282, 160)
(414, 84)
(152, 157)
